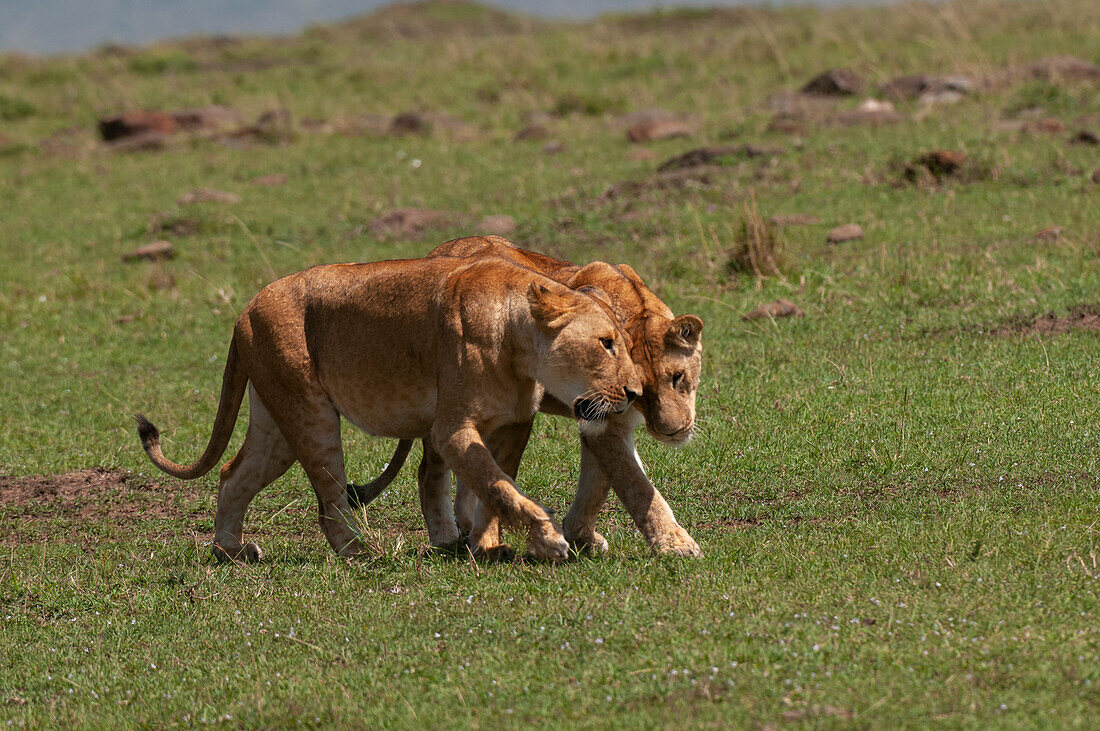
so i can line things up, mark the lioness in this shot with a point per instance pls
(444, 349)
(668, 353)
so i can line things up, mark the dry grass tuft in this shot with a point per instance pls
(760, 249)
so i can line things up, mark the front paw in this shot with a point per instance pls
(587, 542)
(677, 543)
(547, 544)
(502, 553)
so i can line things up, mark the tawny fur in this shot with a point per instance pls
(668, 353)
(447, 350)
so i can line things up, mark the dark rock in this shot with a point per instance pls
(553, 147)
(1086, 137)
(938, 163)
(404, 222)
(137, 122)
(213, 118)
(410, 123)
(713, 156)
(835, 82)
(1048, 235)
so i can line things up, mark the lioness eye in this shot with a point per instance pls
(676, 379)
(608, 343)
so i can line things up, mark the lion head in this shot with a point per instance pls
(670, 353)
(587, 360)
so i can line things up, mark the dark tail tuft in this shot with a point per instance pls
(149, 434)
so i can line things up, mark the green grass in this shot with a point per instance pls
(898, 509)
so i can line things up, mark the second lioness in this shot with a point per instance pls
(668, 353)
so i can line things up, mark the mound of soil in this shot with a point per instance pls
(1082, 317)
(94, 495)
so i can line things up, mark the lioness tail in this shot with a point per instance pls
(360, 496)
(234, 381)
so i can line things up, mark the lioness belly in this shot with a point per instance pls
(400, 412)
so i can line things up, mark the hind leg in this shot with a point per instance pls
(262, 459)
(311, 425)
(434, 483)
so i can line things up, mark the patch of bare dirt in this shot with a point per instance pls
(1082, 317)
(91, 496)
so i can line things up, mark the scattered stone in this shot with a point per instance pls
(532, 132)
(151, 140)
(787, 126)
(1046, 125)
(1096, 175)
(792, 105)
(499, 224)
(937, 163)
(835, 82)
(275, 125)
(685, 179)
(553, 147)
(713, 156)
(404, 222)
(1049, 235)
(927, 88)
(207, 195)
(268, 180)
(846, 232)
(137, 122)
(869, 111)
(410, 123)
(125, 319)
(213, 118)
(649, 131)
(166, 223)
(153, 251)
(794, 219)
(1057, 68)
(941, 96)
(1085, 137)
(774, 310)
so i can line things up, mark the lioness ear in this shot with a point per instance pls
(684, 332)
(595, 293)
(548, 307)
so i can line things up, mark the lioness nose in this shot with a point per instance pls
(630, 395)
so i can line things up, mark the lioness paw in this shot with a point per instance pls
(552, 547)
(248, 553)
(678, 543)
(588, 543)
(502, 553)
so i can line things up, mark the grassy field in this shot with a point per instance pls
(896, 494)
